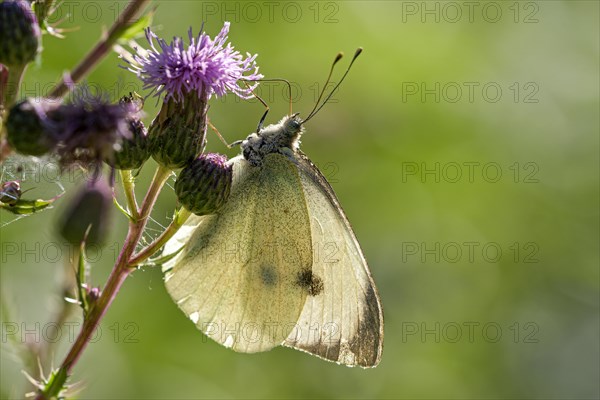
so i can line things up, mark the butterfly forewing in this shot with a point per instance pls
(239, 277)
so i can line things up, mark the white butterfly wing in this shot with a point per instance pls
(344, 322)
(237, 277)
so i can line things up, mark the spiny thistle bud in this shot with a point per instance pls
(134, 151)
(203, 186)
(89, 210)
(10, 193)
(19, 33)
(178, 133)
(27, 131)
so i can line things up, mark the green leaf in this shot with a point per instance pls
(136, 28)
(159, 261)
(81, 278)
(123, 210)
(55, 386)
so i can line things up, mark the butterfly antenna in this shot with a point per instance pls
(262, 119)
(338, 57)
(317, 107)
(290, 93)
(289, 85)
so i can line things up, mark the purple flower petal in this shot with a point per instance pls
(204, 65)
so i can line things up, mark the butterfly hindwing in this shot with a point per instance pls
(344, 322)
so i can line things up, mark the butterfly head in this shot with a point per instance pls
(292, 126)
(282, 137)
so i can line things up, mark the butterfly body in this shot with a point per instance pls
(279, 263)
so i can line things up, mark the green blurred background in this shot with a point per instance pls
(464, 149)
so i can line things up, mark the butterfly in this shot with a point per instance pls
(279, 263)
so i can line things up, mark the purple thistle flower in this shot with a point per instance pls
(90, 129)
(206, 65)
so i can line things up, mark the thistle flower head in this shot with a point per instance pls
(205, 65)
(90, 129)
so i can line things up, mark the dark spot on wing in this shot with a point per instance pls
(310, 282)
(268, 275)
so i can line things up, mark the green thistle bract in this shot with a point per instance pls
(203, 186)
(178, 133)
(135, 150)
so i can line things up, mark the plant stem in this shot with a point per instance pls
(128, 188)
(180, 218)
(117, 276)
(101, 48)
(9, 91)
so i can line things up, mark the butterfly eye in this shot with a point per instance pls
(294, 124)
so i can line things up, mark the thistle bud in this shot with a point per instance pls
(135, 150)
(19, 32)
(10, 193)
(89, 210)
(203, 186)
(27, 132)
(178, 133)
